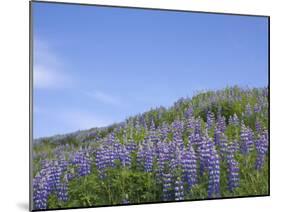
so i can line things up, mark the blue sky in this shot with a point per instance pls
(94, 65)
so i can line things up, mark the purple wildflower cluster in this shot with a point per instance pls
(214, 174)
(48, 181)
(179, 153)
(232, 170)
(247, 143)
(261, 148)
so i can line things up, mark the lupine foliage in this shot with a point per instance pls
(213, 145)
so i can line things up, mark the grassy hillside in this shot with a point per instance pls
(213, 145)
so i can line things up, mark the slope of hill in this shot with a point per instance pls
(213, 145)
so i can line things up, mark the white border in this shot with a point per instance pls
(14, 55)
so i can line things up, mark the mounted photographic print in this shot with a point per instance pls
(136, 105)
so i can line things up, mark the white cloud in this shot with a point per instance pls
(48, 68)
(49, 78)
(104, 98)
(79, 119)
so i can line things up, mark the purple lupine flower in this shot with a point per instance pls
(63, 163)
(167, 187)
(165, 157)
(161, 162)
(116, 149)
(214, 174)
(189, 118)
(141, 155)
(189, 112)
(261, 148)
(164, 131)
(101, 162)
(204, 150)
(131, 146)
(258, 127)
(177, 139)
(251, 139)
(195, 139)
(248, 110)
(221, 124)
(189, 166)
(110, 139)
(179, 189)
(234, 146)
(246, 136)
(148, 163)
(125, 157)
(145, 155)
(152, 136)
(82, 162)
(234, 120)
(217, 135)
(178, 126)
(41, 190)
(46, 182)
(257, 108)
(210, 119)
(232, 170)
(62, 192)
(203, 153)
(111, 155)
(175, 152)
(223, 145)
(70, 176)
(55, 175)
(197, 126)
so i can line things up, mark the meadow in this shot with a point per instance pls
(213, 145)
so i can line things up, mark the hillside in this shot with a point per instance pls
(210, 146)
